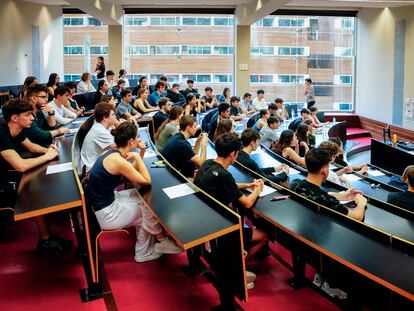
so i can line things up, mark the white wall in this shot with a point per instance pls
(16, 20)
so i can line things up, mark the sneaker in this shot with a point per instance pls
(250, 285)
(54, 243)
(334, 292)
(318, 279)
(250, 277)
(166, 246)
(151, 256)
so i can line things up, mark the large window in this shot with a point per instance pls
(285, 50)
(180, 47)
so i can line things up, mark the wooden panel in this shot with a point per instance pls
(352, 120)
(375, 127)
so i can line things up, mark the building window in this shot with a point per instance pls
(221, 21)
(137, 50)
(136, 21)
(291, 79)
(344, 23)
(165, 21)
(136, 76)
(164, 50)
(196, 50)
(343, 79)
(94, 22)
(343, 106)
(222, 78)
(71, 77)
(73, 50)
(73, 21)
(293, 51)
(99, 50)
(265, 22)
(223, 50)
(262, 50)
(293, 22)
(344, 51)
(255, 78)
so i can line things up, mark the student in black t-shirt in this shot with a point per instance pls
(235, 111)
(191, 89)
(251, 140)
(405, 199)
(317, 163)
(223, 112)
(178, 151)
(162, 115)
(214, 179)
(175, 96)
(18, 114)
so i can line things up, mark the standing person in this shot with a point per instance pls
(165, 106)
(85, 85)
(123, 76)
(52, 84)
(100, 68)
(120, 209)
(225, 96)
(168, 128)
(309, 92)
(259, 102)
(28, 82)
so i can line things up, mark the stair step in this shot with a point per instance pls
(361, 144)
(354, 132)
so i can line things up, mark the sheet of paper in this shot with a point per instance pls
(73, 131)
(257, 151)
(266, 190)
(57, 168)
(375, 173)
(178, 191)
(78, 122)
(332, 167)
(149, 153)
(352, 177)
(292, 171)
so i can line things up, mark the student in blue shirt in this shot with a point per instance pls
(159, 93)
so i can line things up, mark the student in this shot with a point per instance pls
(123, 76)
(99, 137)
(405, 199)
(285, 147)
(168, 128)
(62, 114)
(224, 126)
(235, 112)
(302, 133)
(142, 104)
(103, 88)
(313, 116)
(164, 80)
(281, 111)
(259, 102)
(209, 100)
(190, 89)
(317, 163)
(246, 104)
(360, 169)
(142, 84)
(225, 96)
(262, 121)
(175, 96)
(42, 130)
(268, 134)
(52, 84)
(213, 178)
(18, 114)
(28, 82)
(251, 141)
(116, 90)
(178, 151)
(125, 110)
(192, 106)
(100, 68)
(85, 85)
(272, 108)
(304, 115)
(120, 209)
(309, 93)
(72, 104)
(223, 112)
(110, 78)
(157, 94)
(162, 115)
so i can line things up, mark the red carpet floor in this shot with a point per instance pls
(33, 281)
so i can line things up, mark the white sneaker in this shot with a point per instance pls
(318, 279)
(250, 277)
(250, 285)
(167, 246)
(334, 292)
(151, 256)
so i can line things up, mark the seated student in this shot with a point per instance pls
(317, 163)
(223, 112)
(192, 106)
(123, 76)
(251, 141)
(71, 104)
(191, 89)
(52, 84)
(302, 133)
(272, 108)
(268, 134)
(42, 130)
(224, 126)
(281, 111)
(338, 176)
(213, 178)
(225, 96)
(103, 88)
(142, 84)
(313, 116)
(311, 133)
(110, 78)
(304, 115)
(18, 114)
(246, 104)
(209, 100)
(360, 169)
(164, 80)
(99, 137)
(157, 94)
(117, 89)
(168, 128)
(162, 115)
(262, 121)
(259, 102)
(405, 199)
(85, 84)
(285, 147)
(62, 114)
(142, 104)
(175, 96)
(235, 112)
(121, 209)
(178, 151)
(28, 82)
(124, 110)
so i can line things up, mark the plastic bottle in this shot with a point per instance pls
(334, 120)
(394, 140)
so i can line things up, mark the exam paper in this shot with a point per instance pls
(352, 177)
(292, 171)
(78, 122)
(266, 190)
(72, 131)
(178, 191)
(375, 173)
(57, 168)
(149, 153)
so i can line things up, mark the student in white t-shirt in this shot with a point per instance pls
(259, 102)
(62, 114)
(99, 137)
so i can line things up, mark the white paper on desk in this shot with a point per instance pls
(78, 122)
(178, 191)
(257, 151)
(332, 167)
(72, 131)
(149, 153)
(58, 168)
(375, 173)
(266, 190)
(292, 171)
(352, 177)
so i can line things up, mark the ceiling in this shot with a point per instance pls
(298, 4)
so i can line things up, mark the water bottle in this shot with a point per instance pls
(334, 120)
(293, 114)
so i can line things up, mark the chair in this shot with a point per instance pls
(86, 100)
(321, 116)
(205, 123)
(253, 119)
(338, 130)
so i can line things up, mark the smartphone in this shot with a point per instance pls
(279, 197)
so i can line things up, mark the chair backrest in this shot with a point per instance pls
(321, 116)
(289, 109)
(338, 130)
(205, 123)
(151, 88)
(291, 125)
(253, 119)
(87, 100)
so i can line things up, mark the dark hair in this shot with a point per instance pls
(224, 126)
(52, 79)
(186, 121)
(272, 106)
(227, 143)
(61, 90)
(279, 100)
(223, 107)
(190, 81)
(141, 78)
(163, 102)
(101, 84)
(159, 85)
(260, 91)
(16, 106)
(122, 72)
(189, 97)
(247, 95)
(123, 133)
(409, 175)
(29, 80)
(234, 99)
(308, 122)
(272, 119)
(175, 85)
(226, 89)
(313, 108)
(163, 78)
(308, 80)
(102, 110)
(141, 91)
(336, 140)
(70, 85)
(120, 81)
(316, 159)
(125, 92)
(106, 98)
(175, 113)
(329, 146)
(302, 133)
(36, 89)
(284, 141)
(110, 73)
(262, 112)
(85, 76)
(249, 135)
(208, 89)
(305, 110)
(102, 59)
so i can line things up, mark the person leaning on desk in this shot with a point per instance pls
(18, 114)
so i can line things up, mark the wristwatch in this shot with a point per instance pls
(51, 113)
